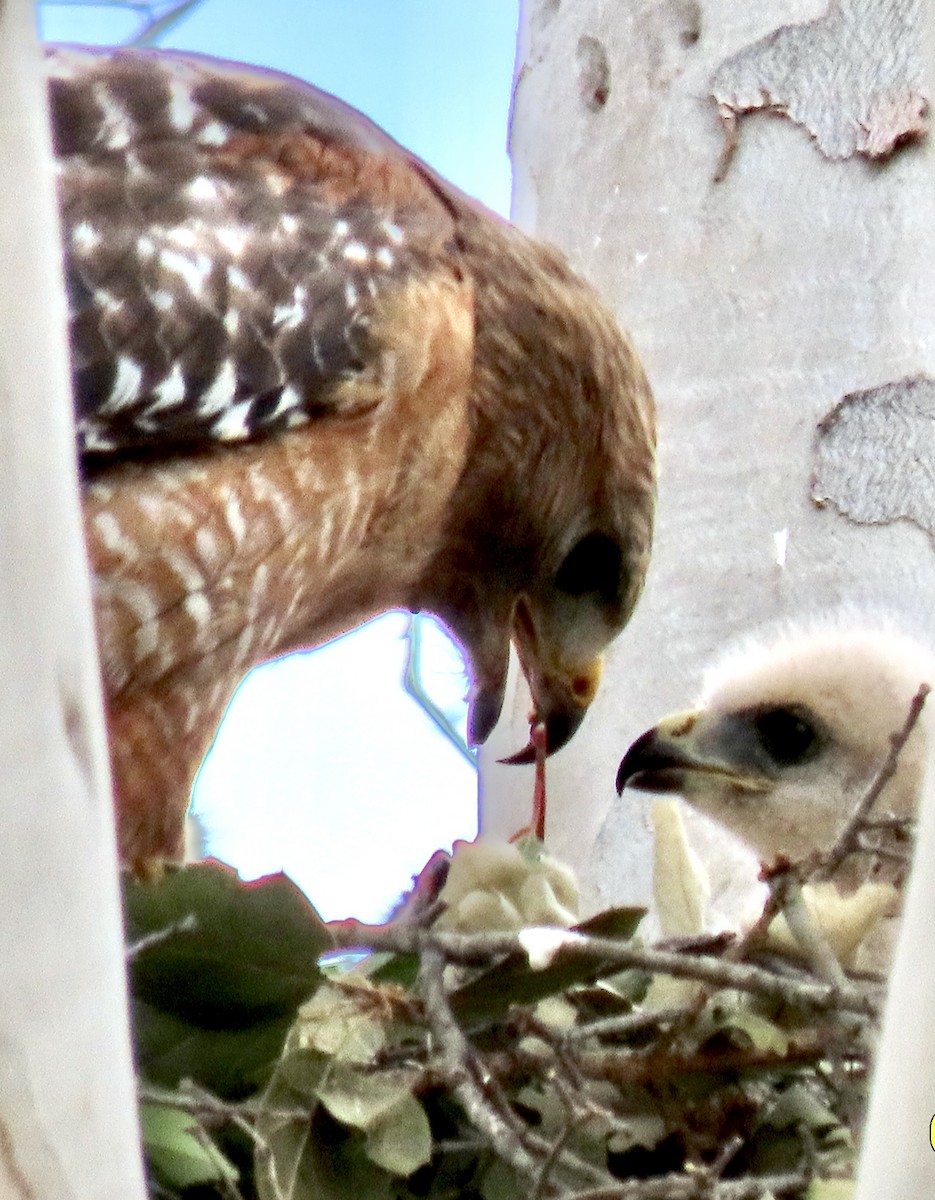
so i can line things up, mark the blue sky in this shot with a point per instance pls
(324, 766)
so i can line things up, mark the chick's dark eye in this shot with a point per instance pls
(788, 737)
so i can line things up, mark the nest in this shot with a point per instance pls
(282, 1058)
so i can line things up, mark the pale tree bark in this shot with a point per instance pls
(761, 289)
(897, 1159)
(67, 1101)
(782, 296)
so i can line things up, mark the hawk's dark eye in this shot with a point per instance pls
(593, 565)
(787, 736)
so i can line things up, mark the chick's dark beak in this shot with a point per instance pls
(687, 750)
(652, 764)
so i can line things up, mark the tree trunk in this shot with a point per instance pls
(67, 1100)
(762, 286)
(752, 187)
(896, 1157)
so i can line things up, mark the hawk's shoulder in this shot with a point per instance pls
(243, 251)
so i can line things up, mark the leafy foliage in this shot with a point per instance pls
(265, 1077)
(218, 968)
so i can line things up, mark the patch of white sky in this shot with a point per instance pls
(324, 766)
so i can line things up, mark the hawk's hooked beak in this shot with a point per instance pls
(560, 704)
(561, 692)
(689, 750)
(484, 710)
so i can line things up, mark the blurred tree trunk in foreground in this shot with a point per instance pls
(67, 1096)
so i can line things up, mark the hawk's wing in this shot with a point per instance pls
(232, 239)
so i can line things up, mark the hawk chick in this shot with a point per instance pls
(315, 382)
(789, 732)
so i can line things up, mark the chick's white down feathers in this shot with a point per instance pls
(790, 729)
(854, 685)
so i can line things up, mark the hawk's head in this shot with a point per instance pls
(550, 527)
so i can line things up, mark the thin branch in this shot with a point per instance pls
(158, 27)
(625, 1067)
(698, 1187)
(865, 844)
(847, 842)
(463, 1070)
(455, 1053)
(226, 1184)
(482, 949)
(636, 1022)
(134, 5)
(554, 1156)
(728, 1153)
(211, 1109)
(536, 1144)
(889, 821)
(187, 924)
(154, 27)
(414, 685)
(778, 881)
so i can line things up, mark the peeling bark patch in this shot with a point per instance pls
(854, 79)
(874, 458)
(593, 73)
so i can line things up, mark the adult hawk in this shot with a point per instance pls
(315, 382)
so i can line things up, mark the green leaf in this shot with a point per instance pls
(797, 1106)
(341, 1022)
(780, 1141)
(757, 1030)
(230, 1063)
(176, 1153)
(238, 950)
(401, 1141)
(303, 1071)
(312, 1157)
(221, 968)
(363, 1127)
(514, 981)
(612, 995)
(830, 1189)
(640, 1129)
(279, 1168)
(396, 968)
(614, 922)
(362, 1100)
(501, 1182)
